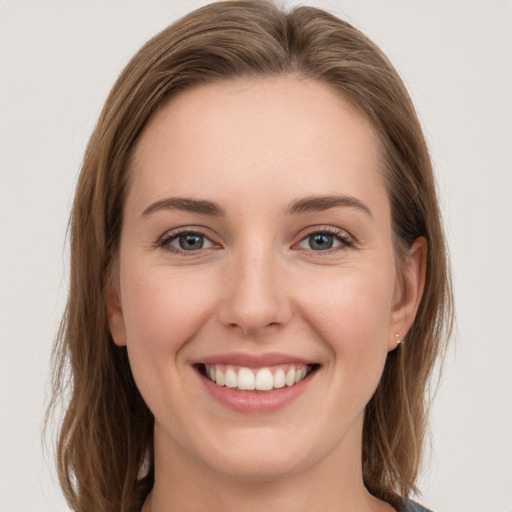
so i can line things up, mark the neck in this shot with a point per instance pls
(331, 484)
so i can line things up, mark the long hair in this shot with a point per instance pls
(105, 446)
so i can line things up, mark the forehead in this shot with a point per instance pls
(249, 135)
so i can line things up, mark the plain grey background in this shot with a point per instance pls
(58, 60)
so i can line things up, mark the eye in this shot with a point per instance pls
(188, 241)
(325, 240)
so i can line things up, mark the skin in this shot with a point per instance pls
(257, 286)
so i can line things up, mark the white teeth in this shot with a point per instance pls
(248, 379)
(264, 380)
(300, 374)
(279, 379)
(290, 377)
(219, 377)
(245, 379)
(231, 379)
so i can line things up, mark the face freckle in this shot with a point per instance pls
(257, 236)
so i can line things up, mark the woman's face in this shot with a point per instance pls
(256, 251)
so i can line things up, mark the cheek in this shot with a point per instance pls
(162, 309)
(348, 312)
(351, 310)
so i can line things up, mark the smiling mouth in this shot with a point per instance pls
(266, 379)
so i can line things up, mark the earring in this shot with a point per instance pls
(397, 338)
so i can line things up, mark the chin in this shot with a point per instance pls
(259, 456)
(258, 469)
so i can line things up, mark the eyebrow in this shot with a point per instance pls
(321, 203)
(185, 204)
(305, 205)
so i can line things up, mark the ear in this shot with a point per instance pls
(408, 293)
(115, 317)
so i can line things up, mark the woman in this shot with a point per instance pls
(259, 285)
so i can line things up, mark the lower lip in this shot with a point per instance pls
(254, 401)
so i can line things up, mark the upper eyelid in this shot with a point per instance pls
(200, 230)
(346, 240)
(332, 230)
(176, 232)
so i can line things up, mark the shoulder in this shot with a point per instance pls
(411, 506)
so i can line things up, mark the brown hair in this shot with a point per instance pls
(105, 457)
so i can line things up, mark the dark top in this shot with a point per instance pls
(410, 506)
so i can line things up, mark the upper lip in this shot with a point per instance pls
(254, 360)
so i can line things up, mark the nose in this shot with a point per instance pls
(255, 299)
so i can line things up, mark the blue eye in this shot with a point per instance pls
(187, 241)
(325, 241)
(321, 241)
(191, 242)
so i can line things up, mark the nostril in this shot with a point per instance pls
(253, 304)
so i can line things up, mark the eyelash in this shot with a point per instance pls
(341, 236)
(346, 242)
(166, 240)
